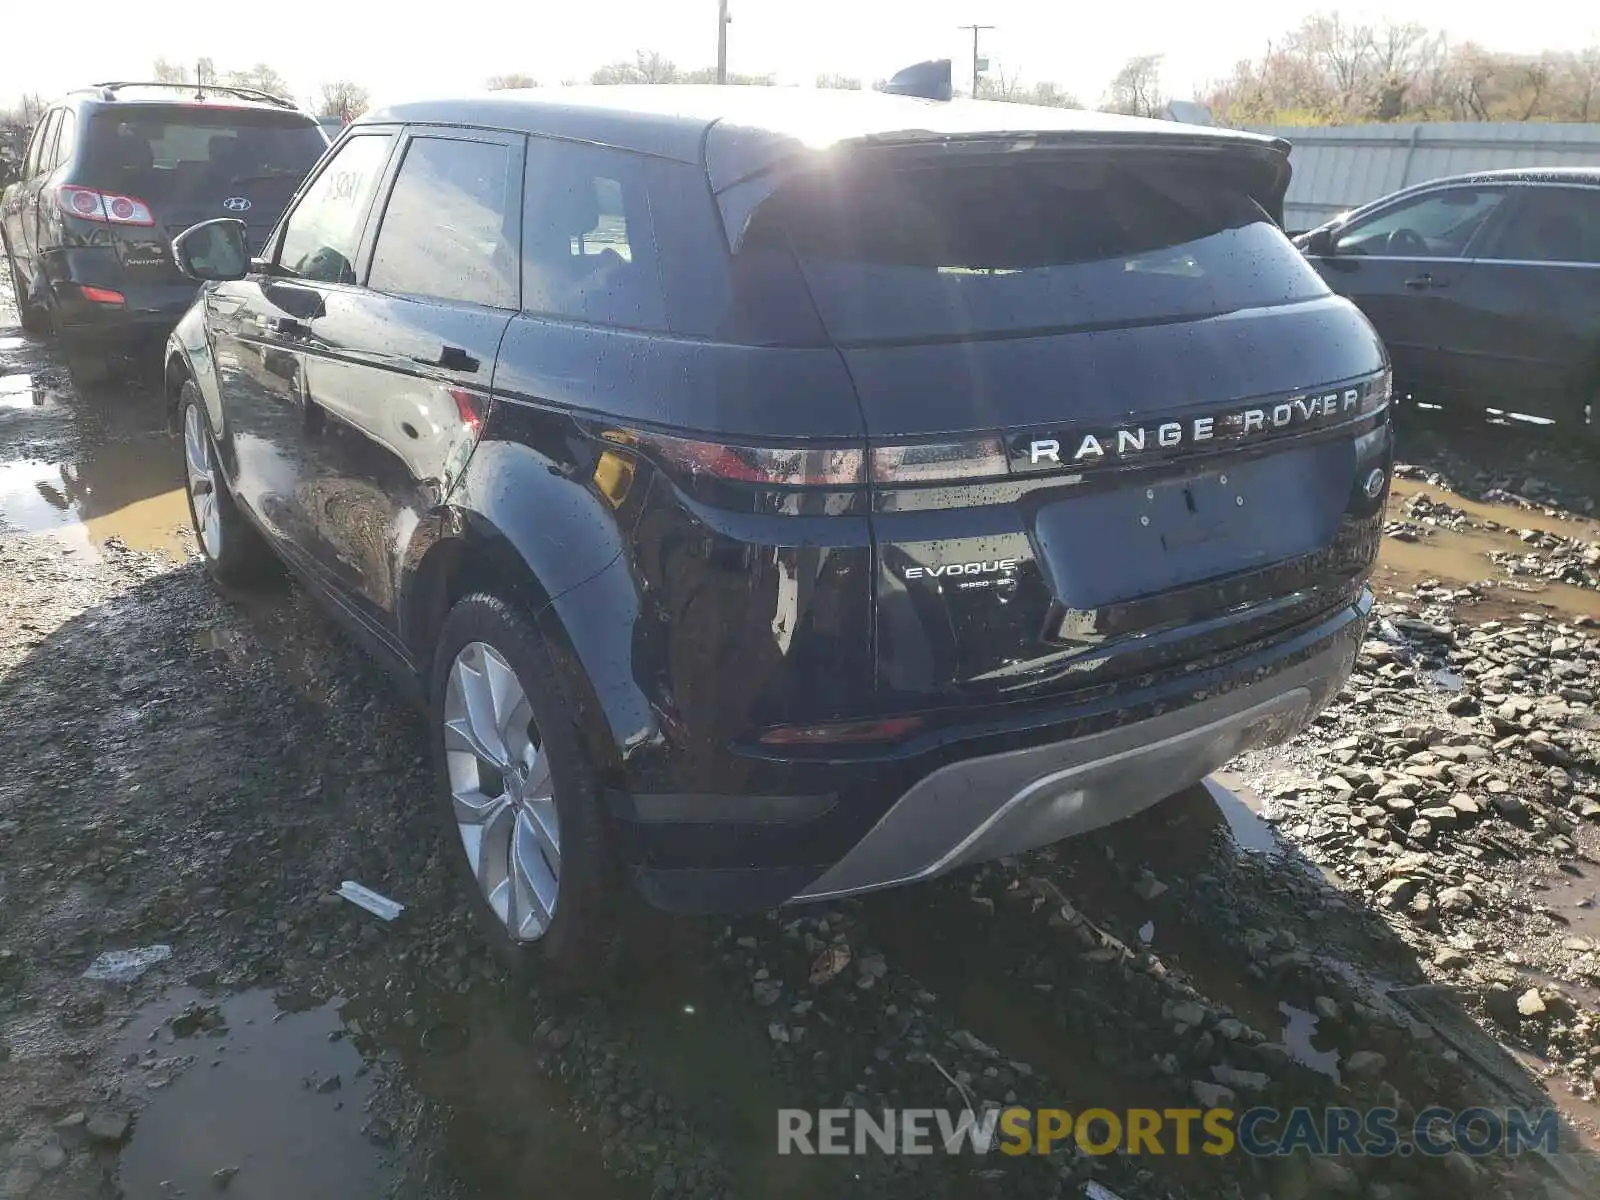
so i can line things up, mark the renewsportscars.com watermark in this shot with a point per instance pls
(1260, 1132)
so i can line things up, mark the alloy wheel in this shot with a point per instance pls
(501, 791)
(200, 470)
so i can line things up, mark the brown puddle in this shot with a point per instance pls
(132, 490)
(266, 1096)
(1461, 556)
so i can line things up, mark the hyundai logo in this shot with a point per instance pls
(236, 204)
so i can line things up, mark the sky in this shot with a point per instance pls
(455, 46)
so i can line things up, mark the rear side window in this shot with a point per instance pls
(190, 147)
(41, 156)
(1552, 224)
(588, 242)
(324, 230)
(67, 139)
(449, 230)
(959, 250)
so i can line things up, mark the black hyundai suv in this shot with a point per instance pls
(112, 172)
(777, 495)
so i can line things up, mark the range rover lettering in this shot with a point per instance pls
(762, 517)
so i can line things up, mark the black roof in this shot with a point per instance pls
(737, 131)
(1517, 175)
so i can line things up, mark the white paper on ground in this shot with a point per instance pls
(378, 906)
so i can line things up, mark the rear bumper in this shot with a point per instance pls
(1009, 803)
(147, 306)
(989, 794)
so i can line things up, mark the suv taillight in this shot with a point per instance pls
(822, 466)
(107, 207)
(776, 466)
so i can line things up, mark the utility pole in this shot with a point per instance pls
(975, 59)
(722, 40)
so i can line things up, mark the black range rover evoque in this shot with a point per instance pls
(775, 495)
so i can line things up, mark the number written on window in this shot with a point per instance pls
(324, 230)
(445, 231)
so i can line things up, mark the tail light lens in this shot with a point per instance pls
(887, 729)
(939, 462)
(772, 466)
(108, 207)
(1380, 393)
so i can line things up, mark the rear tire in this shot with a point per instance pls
(33, 320)
(234, 551)
(520, 799)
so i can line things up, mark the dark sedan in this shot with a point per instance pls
(1485, 287)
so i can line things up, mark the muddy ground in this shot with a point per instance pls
(1398, 908)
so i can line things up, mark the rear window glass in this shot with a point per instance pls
(222, 145)
(905, 254)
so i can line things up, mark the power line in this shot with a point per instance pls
(975, 72)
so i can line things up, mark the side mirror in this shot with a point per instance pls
(1319, 242)
(213, 250)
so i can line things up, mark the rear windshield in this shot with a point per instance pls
(949, 251)
(214, 146)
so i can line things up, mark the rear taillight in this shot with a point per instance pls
(887, 729)
(100, 295)
(107, 207)
(1380, 393)
(772, 466)
(939, 462)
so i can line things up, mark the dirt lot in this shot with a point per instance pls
(1398, 909)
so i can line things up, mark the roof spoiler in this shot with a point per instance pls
(930, 80)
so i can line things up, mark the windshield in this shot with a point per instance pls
(903, 254)
(191, 146)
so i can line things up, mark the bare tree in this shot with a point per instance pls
(202, 72)
(342, 99)
(844, 83)
(709, 75)
(1343, 52)
(646, 67)
(1050, 95)
(1136, 89)
(260, 77)
(1582, 80)
(511, 82)
(16, 127)
(998, 84)
(1330, 71)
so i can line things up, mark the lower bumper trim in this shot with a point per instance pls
(985, 808)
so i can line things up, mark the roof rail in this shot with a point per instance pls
(108, 90)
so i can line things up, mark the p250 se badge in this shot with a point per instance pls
(981, 574)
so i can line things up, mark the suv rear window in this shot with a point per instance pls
(195, 145)
(995, 248)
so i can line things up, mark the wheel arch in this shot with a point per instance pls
(187, 356)
(587, 626)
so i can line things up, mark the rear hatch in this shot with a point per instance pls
(189, 163)
(1118, 426)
